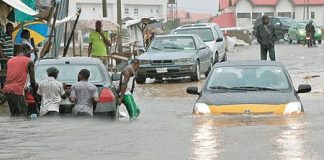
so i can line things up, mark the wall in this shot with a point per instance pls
(243, 6)
(284, 6)
(319, 13)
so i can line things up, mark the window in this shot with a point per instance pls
(312, 15)
(294, 16)
(256, 15)
(93, 9)
(157, 11)
(151, 10)
(135, 10)
(284, 14)
(269, 13)
(243, 15)
(126, 10)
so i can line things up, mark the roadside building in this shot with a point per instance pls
(133, 9)
(247, 11)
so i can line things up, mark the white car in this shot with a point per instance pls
(211, 34)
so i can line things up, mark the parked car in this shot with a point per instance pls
(211, 34)
(297, 32)
(175, 55)
(281, 25)
(69, 68)
(249, 87)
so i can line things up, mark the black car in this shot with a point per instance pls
(281, 25)
(69, 68)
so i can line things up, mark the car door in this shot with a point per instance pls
(204, 54)
(221, 45)
(294, 31)
(277, 25)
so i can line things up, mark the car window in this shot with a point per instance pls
(274, 21)
(205, 34)
(172, 43)
(219, 32)
(68, 73)
(249, 76)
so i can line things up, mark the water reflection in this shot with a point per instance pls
(206, 141)
(208, 138)
(292, 141)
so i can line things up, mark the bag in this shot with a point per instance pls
(131, 106)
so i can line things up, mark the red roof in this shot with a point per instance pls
(265, 2)
(225, 20)
(223, 4)
(311, 2)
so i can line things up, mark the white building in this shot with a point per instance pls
(247, 11)
(92, 9)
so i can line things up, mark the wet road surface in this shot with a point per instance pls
(166, 128)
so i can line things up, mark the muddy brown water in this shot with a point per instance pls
(166, 129)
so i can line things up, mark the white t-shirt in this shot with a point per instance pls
(51, 91)
(25, 41)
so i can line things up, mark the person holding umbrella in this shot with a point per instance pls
(25, 39)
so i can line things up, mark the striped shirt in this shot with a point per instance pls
(7, 44)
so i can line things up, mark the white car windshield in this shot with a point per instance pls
(205, 34)
(172, 43)
(248, 77)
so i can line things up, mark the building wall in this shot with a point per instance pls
(92, 9)
(284, 6)
(243, 7)
(263, 9)
(318, 10)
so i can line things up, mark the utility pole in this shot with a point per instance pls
(304, 10)
(119, 21)
(104, 8)
(307, 9)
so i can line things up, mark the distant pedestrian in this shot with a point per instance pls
(266, 36)
(18, 69)
(25, 39)
(52, 92)
(6, 43)
(84, 94)
(310, 30)
(99, 44)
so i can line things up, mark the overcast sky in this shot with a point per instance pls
(205, 6)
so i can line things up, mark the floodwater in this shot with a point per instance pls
(166, 129)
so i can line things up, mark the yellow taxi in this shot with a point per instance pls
(249, 88)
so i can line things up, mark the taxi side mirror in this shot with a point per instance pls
(304, 88)
(193, 90)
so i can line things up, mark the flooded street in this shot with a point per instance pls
(166, 129)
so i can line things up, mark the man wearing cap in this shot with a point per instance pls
(18, 69)
(52, 92)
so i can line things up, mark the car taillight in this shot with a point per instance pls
(30, 99)
(106, 96)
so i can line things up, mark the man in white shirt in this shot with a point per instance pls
(52, 92)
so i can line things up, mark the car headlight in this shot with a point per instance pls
(292, 108)
(145, 61)
(302, 32)
(183, 60)
(201, 108)
(319, 31)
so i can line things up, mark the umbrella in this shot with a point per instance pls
(38, 31)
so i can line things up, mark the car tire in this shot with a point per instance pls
(140, 79)
(286, 37)
(319, 41)
(290, 41)
(224, 58)
(216, 59)
(196, 75)
(209, 68)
